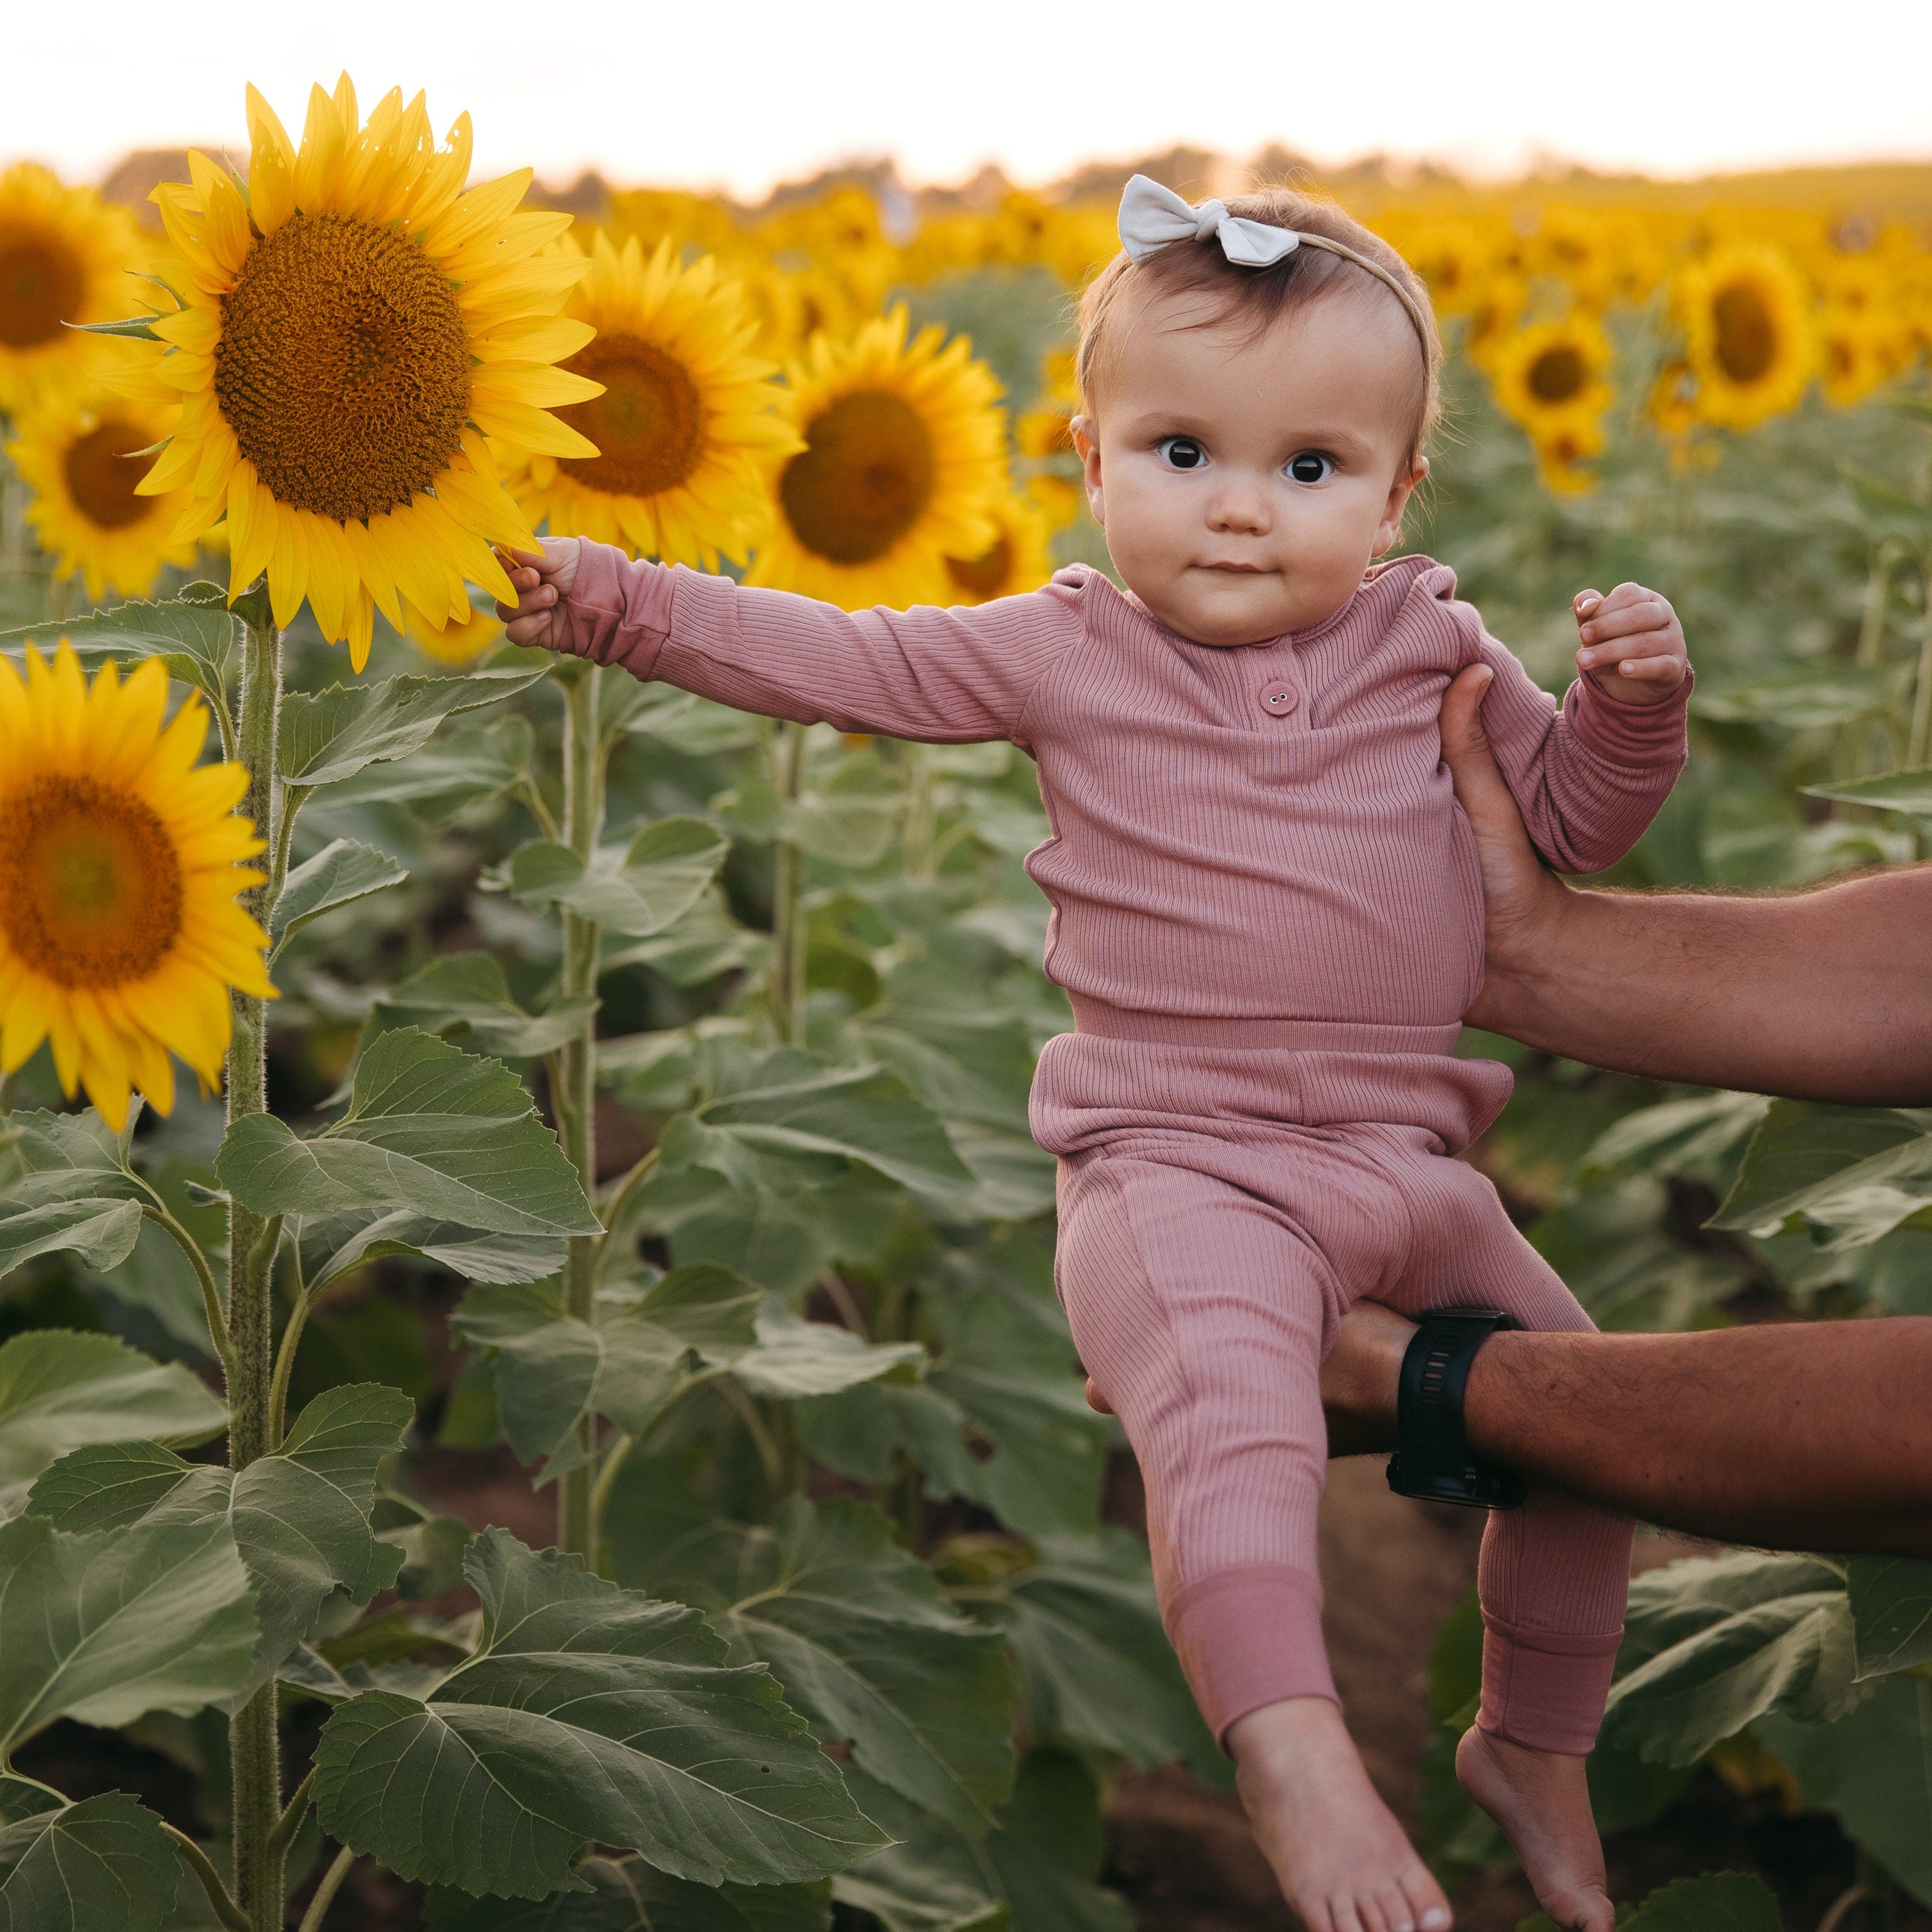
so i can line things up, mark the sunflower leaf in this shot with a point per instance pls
(105, 1628)
(626, 1895)
(587, 1712)
(658, 878)
(301, 1517)
(442, 1133)
(192, 634)
(794, 1358)
(65, 1183)
(464, 995)
(466, 764)
(61, 1391)
(330, 1245)
(342, 872)
(106, 1864)
(328, 736)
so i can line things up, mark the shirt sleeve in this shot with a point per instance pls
(944, 677)
(1588, 775)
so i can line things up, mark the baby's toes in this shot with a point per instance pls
(1391, 1907)
(1429, 1908)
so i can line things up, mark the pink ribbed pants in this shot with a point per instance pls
(1206, 1254)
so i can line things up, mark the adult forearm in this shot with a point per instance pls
(1820, 995)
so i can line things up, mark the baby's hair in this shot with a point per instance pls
(1263, 296)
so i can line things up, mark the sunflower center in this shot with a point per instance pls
(1747, 336)
(1557, 375)
(101, 476)
(983, 576)
(343, 367)
(865, 475)
(42, 284)
(90, 885)
(649, 423)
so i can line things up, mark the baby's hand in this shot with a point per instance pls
(1632, 643)
(543, 580)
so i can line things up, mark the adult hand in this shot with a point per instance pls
(1523, 901)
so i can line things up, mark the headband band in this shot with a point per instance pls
(1153, 217)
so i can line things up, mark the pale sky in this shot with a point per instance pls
(740, 93)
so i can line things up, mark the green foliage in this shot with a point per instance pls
(586, 1712)
(191, 633)
(463, 996)
(327, 736)
(1847, 1174)
(635, 893)
(103, 1865)
(341, 873)
(65, 1183)
(626, 1895)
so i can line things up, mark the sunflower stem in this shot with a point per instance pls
(787, 994)
(254, 1745)
(156, 1210)
(575, 1095)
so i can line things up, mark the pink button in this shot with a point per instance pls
(1279, 697)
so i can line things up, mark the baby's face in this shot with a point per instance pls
(1246, 484)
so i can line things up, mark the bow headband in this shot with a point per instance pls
(1152, 217)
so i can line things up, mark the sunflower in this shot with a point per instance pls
(79, 459)
(905, 458)
(355, 331)
(1018, 559)
(1562, 450)
(65, 255)
(460, 641)
(1549, 376)
(1748, 331)
(1044, 435)
(685, 422)
(120, 939)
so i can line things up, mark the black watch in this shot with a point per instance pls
(1432, 1459)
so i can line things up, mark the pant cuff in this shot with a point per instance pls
(1248, 1637)
(1544, 1690)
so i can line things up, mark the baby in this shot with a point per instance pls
(1266, 913)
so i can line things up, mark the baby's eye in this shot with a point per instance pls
(1311, 466)
(1182, 452)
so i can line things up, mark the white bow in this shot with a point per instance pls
(1152, 216)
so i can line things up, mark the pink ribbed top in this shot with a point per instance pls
(1263, 833)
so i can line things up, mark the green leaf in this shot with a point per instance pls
(850, 813)
(464, 996)
(462, 766)
(430, 1129)
(1035, 1874)
(1700, 1137)
(300, 1518)
(106, 1864)
(192, 634)
(794, 1358)
(1873, 1767)
(106, 1628)
(1892, 1613)
(626, 1895)
(696, 947)
(587, 1712)
(552, 1370)
(61, 1391)
(1096, 1670)
(328, 736)
(678, 720)
(1892, 791)
(1715, 1642)
(341, 873)
(1805, 698)
(634, 893)
(331, 1245)
(1852, 1174)
(855, 1629)
(65, 1184)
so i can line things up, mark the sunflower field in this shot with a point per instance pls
(563, 1420)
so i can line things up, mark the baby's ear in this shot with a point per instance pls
(1086, 435)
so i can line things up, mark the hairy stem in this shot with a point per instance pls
(325, 1892)
(787, 996)
(254, 1745)
(575, 1095)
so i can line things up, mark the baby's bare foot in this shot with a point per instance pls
(1340, 1857)
(1542, 1800)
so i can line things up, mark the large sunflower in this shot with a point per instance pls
(462, 641)
(356, 332)
(65, 257)
(120, 938)
(905, 457)
(1549, 376)
(80, 460)
(685, 426)
(1020, 558)
(1747, 334)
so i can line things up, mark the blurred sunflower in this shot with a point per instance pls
(460, 641)
(1044, 436)
(120, 939)
(65, 255)
(905, 458)
(1747, 334)
(80, 459)
(1549, 376)
(355, 332)
(684, 425)
(1018, 559)
(1859, 350)
(1562, 451)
